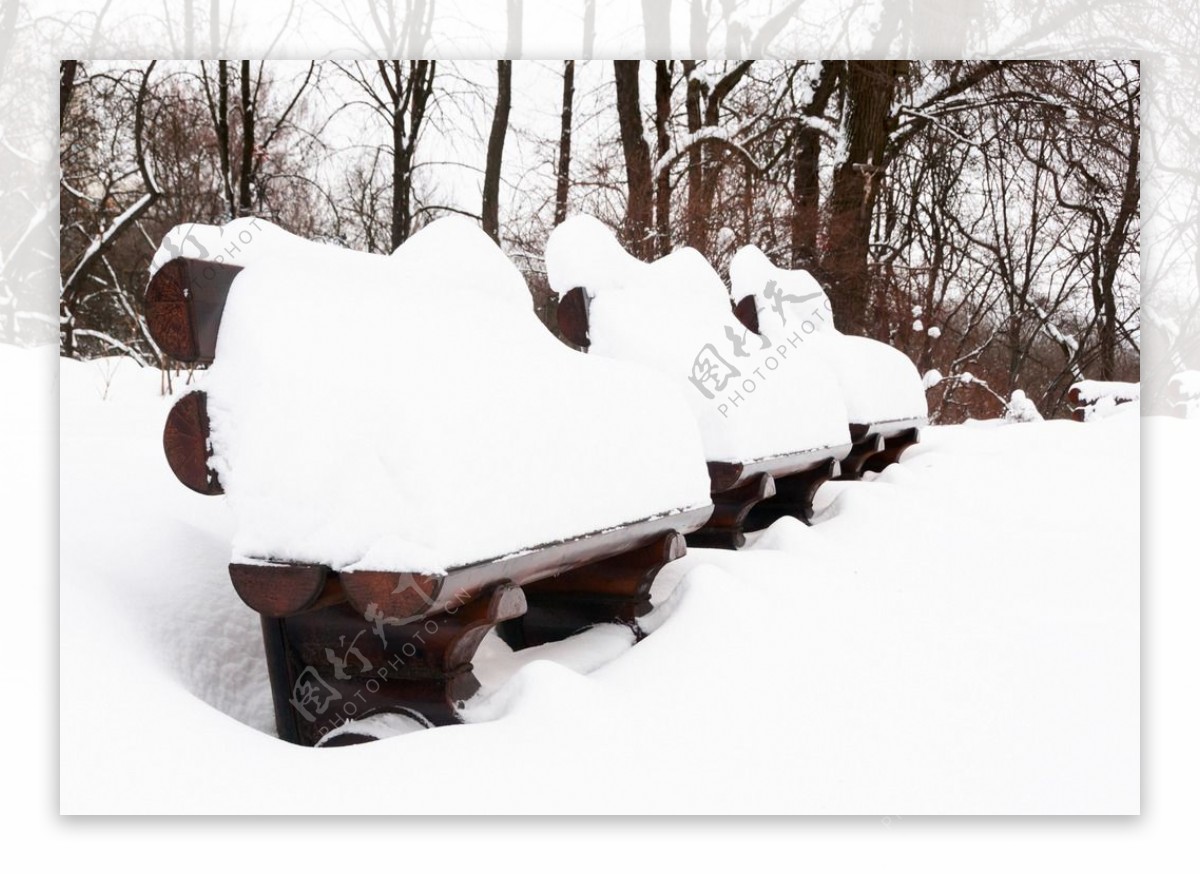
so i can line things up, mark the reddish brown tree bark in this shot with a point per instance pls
(639, 206)
(495, 150)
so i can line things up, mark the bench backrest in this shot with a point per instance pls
(750, 399)
(878, 382)
(410, 412)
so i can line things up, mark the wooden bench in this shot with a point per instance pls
(347, 645)
(747, 496)
(875, 444)
(1089, 398)
(882, 425)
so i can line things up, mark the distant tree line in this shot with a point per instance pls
(982, 216)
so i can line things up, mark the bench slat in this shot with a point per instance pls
(729, 475)
(279, 590)
(396, 593)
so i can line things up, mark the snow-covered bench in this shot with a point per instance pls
(412, 460)
(883, 393)
(1093, 399)
(771, 417)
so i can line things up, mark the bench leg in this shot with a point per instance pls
(893, 448)
(860, 454)
(333, 664)
(725, 529)
(613, 590)
(794, 496)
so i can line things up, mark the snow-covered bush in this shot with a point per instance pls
(1021, 408)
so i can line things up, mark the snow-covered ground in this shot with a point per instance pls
(960, 634)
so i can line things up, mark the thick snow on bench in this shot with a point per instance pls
(240, 242)
(1094, 391)
(751, 399)
(879, 383)
(409, 412)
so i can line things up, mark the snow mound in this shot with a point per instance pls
(878, 382)
(398, 413)
(752, 399)
(1021, 408)
(478, 263)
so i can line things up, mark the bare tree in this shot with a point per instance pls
(806, 166)
(100, 243)
(870, 89)
(639, 203)
(399, 93)
(495, 150)
(562, 187)
(662, 180)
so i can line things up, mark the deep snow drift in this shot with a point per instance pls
(957, 635)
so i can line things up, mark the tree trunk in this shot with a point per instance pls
(696, 219)
(806, 167)
(495, 150)
(1113, 248)
(222, 125)
(563, 183)
(67, 71)
(713, 154)
(639, 205)
(246, 176)
(662, 185)
(400, 175)
(409, 101)
(870, 89)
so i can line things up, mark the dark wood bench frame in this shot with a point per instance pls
(412, 637)
(747, 496)
(874, 445)
(1081, 408)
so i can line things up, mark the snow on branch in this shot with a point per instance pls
(114, 343)
(104, 241)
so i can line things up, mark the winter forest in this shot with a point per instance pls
(981, 216)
